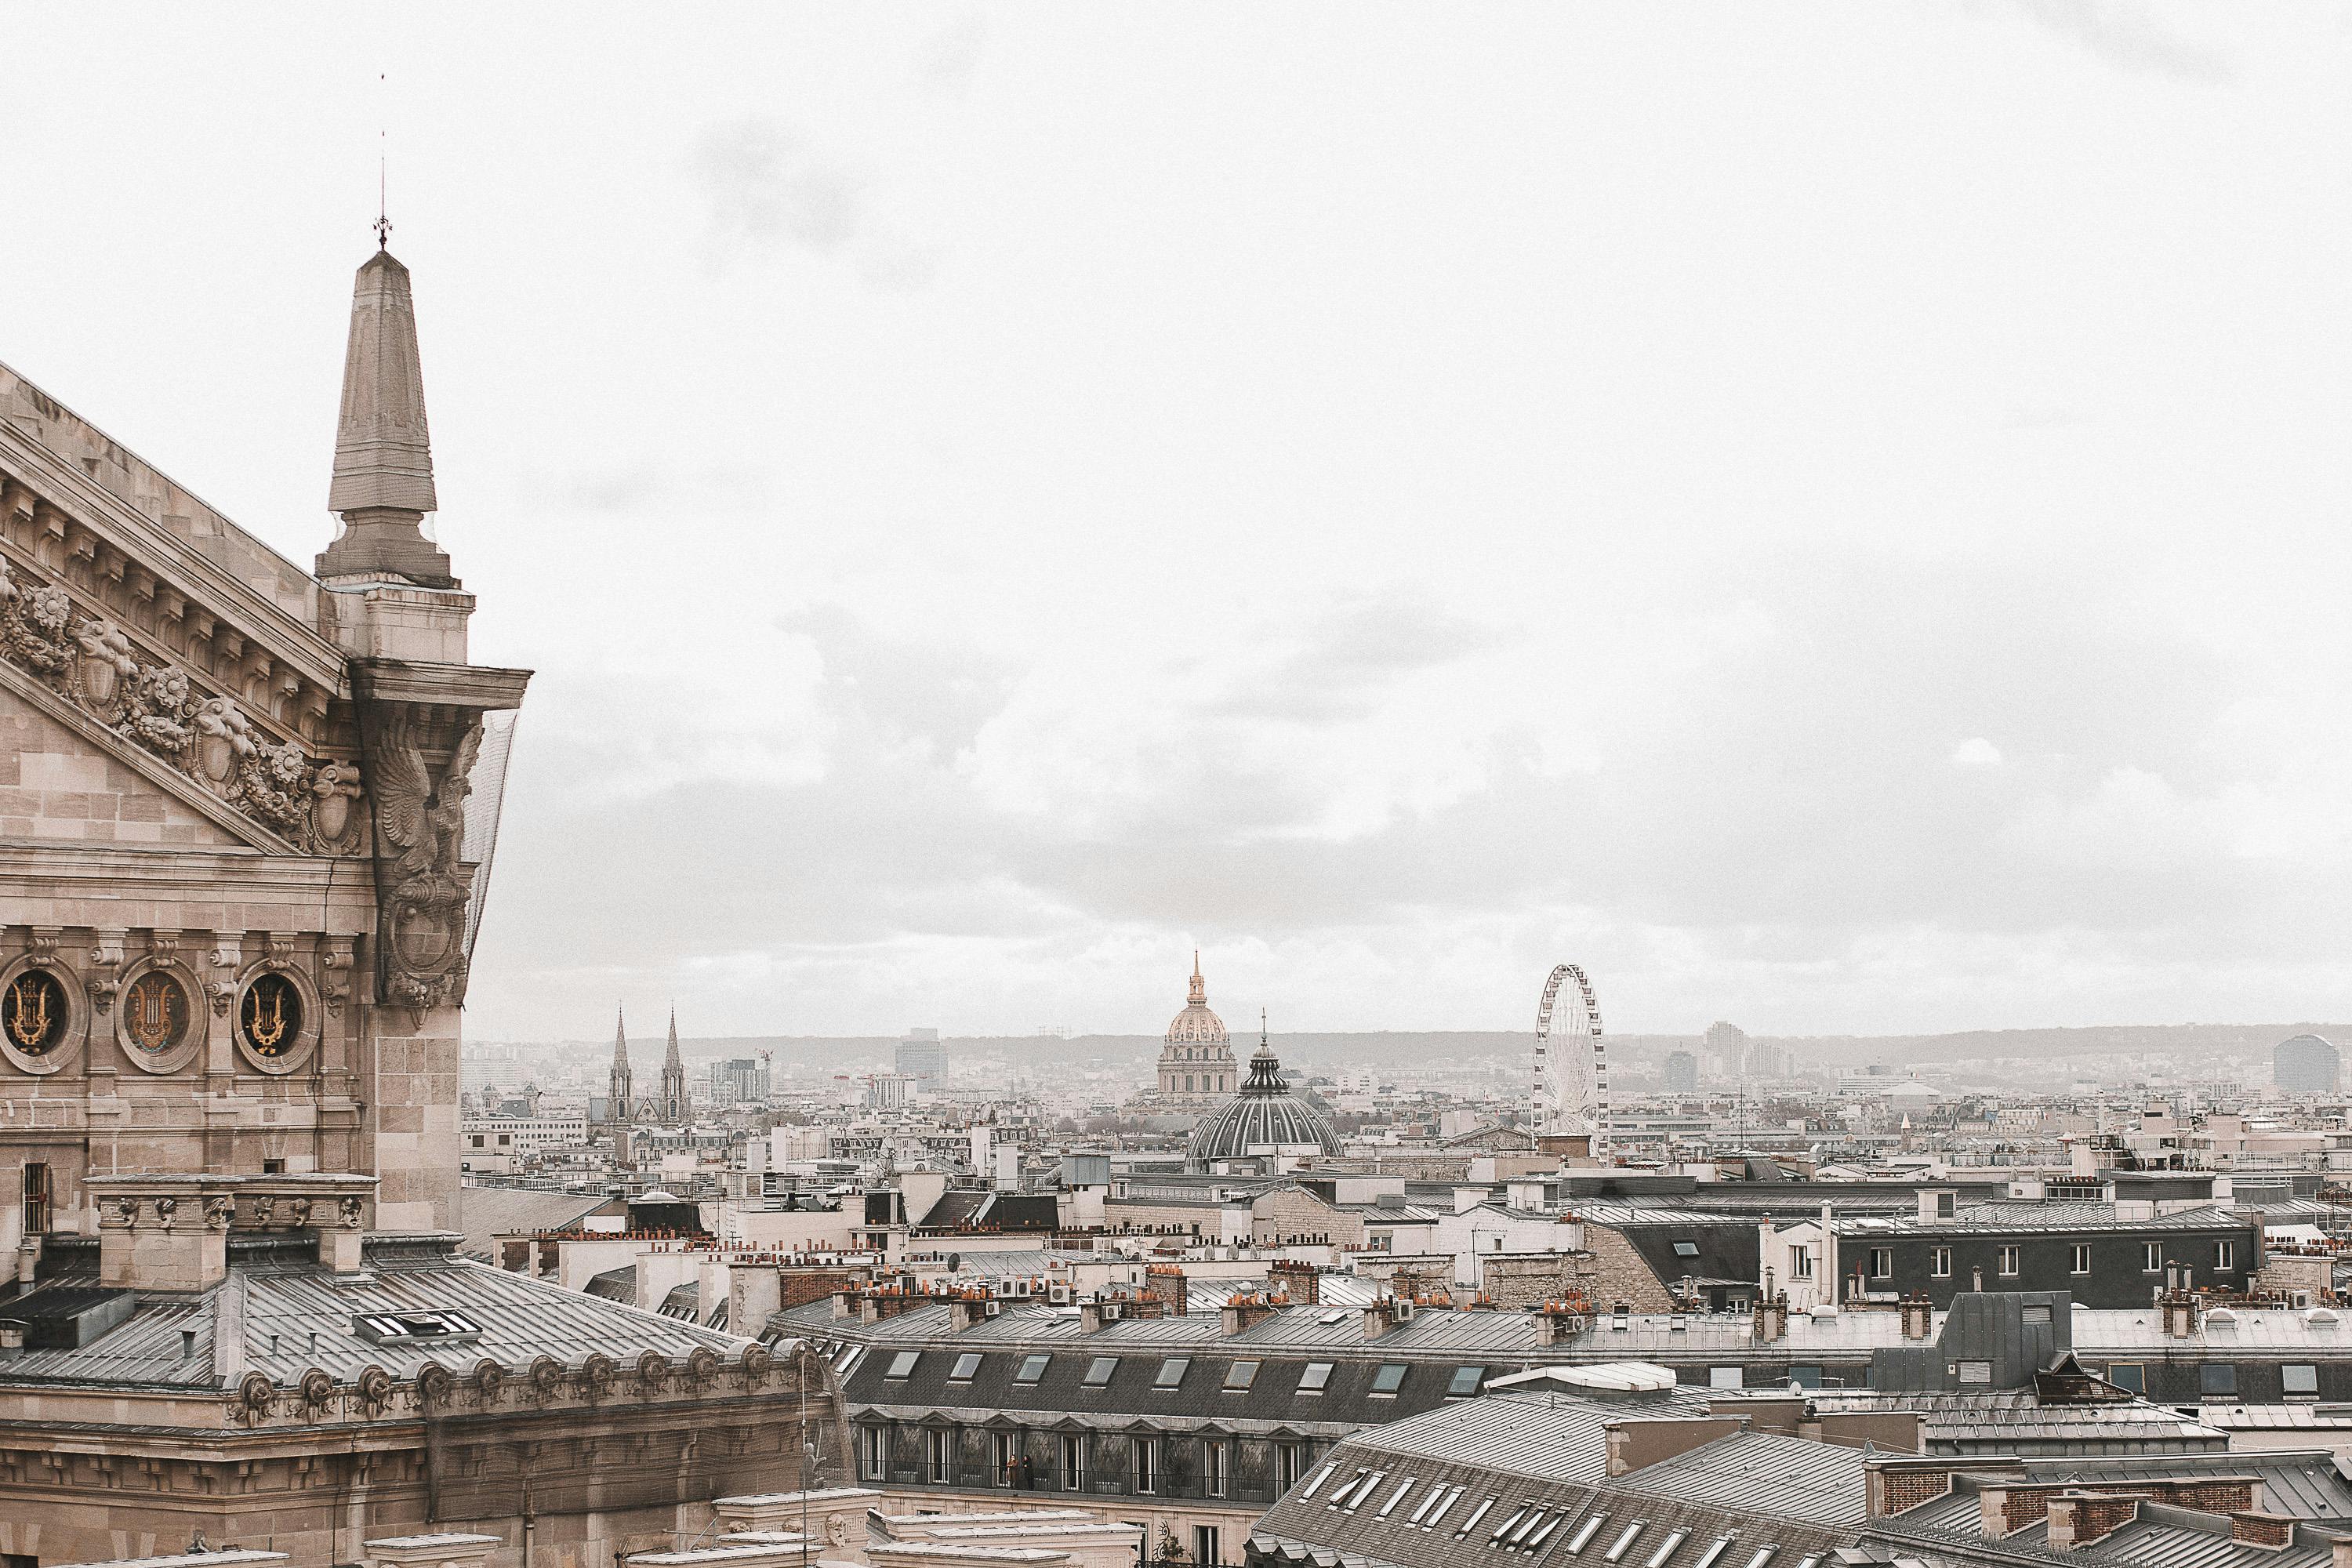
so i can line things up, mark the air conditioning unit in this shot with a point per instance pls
(1111, 1311)
(1057, 1294)
(1404, 1310)
(994, 1307)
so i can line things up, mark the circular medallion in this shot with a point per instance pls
(155, 1011)
(270, 1017)
(32, 1013)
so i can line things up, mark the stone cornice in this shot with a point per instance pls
(174, 561)
(454, 685)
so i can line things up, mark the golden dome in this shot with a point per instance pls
(1196, 1025)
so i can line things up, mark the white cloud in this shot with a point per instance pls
(993, 506)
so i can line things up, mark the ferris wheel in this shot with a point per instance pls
(1571, 1082)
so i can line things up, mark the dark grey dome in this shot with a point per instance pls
(1264, 1114)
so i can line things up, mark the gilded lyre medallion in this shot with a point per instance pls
(33, 1012)
(270, 1017)
(155, 1013)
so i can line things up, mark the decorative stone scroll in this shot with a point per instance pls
(90, 661)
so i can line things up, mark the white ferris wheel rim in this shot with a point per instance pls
(1570, 1092)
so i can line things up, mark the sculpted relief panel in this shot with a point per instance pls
(313, 803)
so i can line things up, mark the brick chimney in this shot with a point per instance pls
(1891, 1489)
(1636, 1444)
(2261, 1528)
(1771, 1321)
(2183, 1312)
(1243, 1312)
(2077, 1519)
(967, 1309)
(1171, 1285)
(1918, 1317)
(1385, 1314)
(1302, 1282)
(1557, 1322)
(1096, 1311)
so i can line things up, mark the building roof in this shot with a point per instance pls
(294, 1316)
(484, 1214)
(2035, 1216)
(1505, 1481)
(1264, 1116)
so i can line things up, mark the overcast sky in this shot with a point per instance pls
(1833, 517)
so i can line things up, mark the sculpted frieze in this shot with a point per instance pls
(313, 803)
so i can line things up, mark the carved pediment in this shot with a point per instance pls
(187, 723)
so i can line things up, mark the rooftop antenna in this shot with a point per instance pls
(382, 162)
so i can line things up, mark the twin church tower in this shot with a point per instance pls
(673, 1106)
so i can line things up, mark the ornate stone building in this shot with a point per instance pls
(245, 833)
(245, 837)
(1197, 1069)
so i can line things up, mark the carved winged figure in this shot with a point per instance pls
(426, 824)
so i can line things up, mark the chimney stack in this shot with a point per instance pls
(1170, 1284)
(1243, 1311)
(1301, 1281)
(1771, 1325)
(2079, 1518)
(1558, 1321)
(1918, 1317)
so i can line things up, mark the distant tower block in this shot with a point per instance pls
(923, 1057)
(2307, 1064)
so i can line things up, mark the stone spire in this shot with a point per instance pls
(1200, 986)
(617, 1085)
(676, 1104)
(382, 483)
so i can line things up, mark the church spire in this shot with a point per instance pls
(1200, 986)
(383, 482)
(677, 1104)
(617, 1086)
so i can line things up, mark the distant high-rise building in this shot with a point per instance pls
(923, 1057)
(1727, 1051)
(739, 1080)
(2306, 1064)
(1682, 1072)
